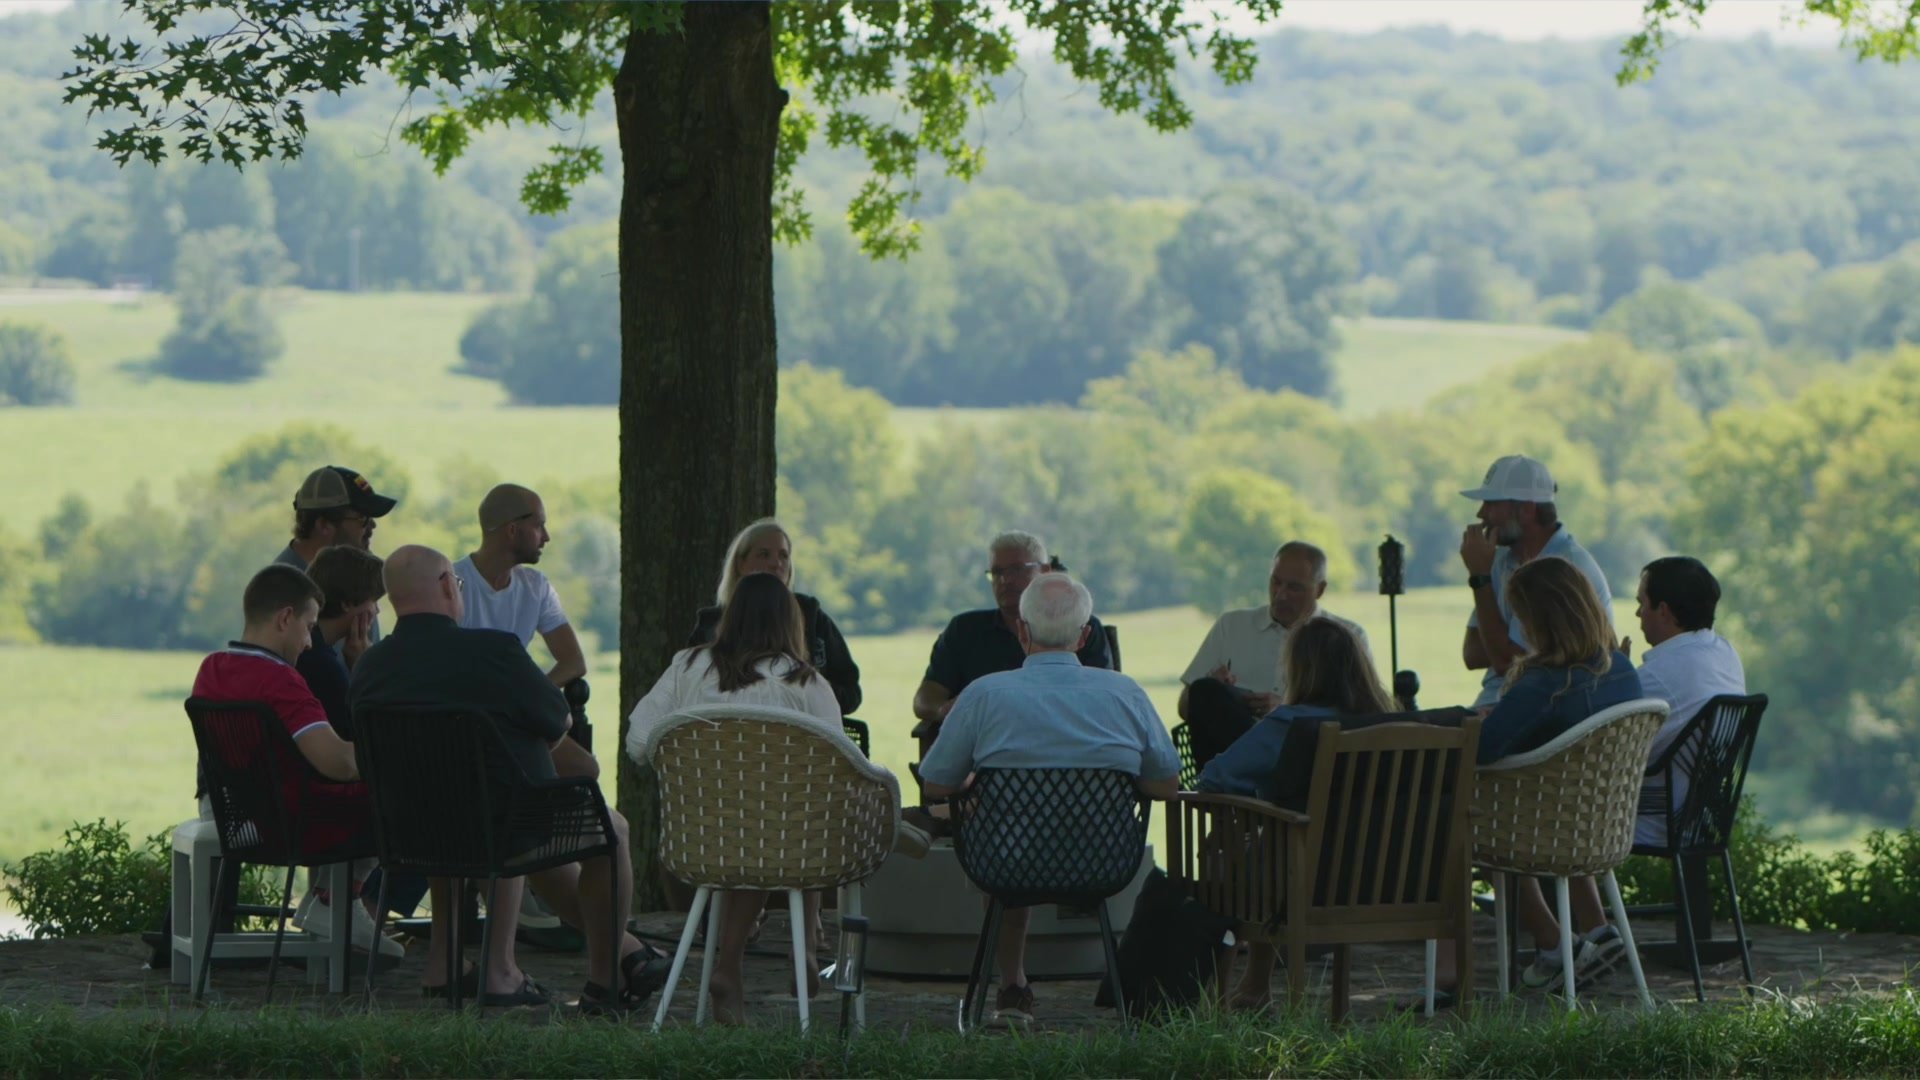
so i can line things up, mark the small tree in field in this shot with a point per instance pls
(35, 368)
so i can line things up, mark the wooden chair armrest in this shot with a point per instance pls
(1244, 802)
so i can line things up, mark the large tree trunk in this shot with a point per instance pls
(699, 116)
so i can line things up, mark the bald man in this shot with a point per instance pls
(505, 592)
(429, 659)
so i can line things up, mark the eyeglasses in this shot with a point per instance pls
(349, 519)
(458, 584)
(1017, 570)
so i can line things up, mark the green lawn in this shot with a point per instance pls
(100, 733)
(1389, 364)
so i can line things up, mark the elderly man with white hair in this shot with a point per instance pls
(977, 643)
(1052, 711)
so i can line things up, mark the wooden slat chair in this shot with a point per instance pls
(1378, 851)
(1566, 810)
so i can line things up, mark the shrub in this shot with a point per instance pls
(97, 883)
(35, 367)
(232, 342)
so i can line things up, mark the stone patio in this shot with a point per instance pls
(98, 975)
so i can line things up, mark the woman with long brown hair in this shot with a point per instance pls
(756, 658)
(1575, 668)
(1329, 674)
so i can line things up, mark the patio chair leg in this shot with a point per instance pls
(458, 890)
(487, 930)
(1685, 936)
(1113, 963)
(698, 908)
(279, 934)
(716, 906)
(1561, 899)
(974, 973)
(797, 918)
(1433, 958)
(379, 923)
(227, 866)
(1739, 924)
(852, 900)
(1626, 938)
(1503, 964)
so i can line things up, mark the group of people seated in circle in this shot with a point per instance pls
(1028, 682)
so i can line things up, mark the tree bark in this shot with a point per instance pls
(699, 118)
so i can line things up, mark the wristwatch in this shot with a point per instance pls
(1475, 581)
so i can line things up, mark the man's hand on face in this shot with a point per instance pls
(1477, 549)
(359, 629)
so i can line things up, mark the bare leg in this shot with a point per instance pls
(440, 894)
(1587, 908)
(1255, 990)
(578, 893)
(737, 916)
(503, 914)
(1535, 914)
(1011, 957)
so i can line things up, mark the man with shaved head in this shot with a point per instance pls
(505, 592)
(429, 659)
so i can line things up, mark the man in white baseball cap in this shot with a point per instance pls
(1518, 523)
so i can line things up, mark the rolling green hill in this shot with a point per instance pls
(383, 365)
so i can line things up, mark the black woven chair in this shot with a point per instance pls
(1712, 752)
(258, 782)
(1047, 836)
(857, 731)
(449, 801)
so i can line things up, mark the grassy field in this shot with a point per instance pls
(384, 367)
(100, 733)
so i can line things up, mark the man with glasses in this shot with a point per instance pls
(502, 589)
(334, 505)
(987, 641)
(1236, 677)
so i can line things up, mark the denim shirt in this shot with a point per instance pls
(1544, 703)
(1251, 766)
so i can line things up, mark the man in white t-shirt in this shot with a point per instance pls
(1519, 523)
(1235, 677)
(1687, 665)
(502, 590)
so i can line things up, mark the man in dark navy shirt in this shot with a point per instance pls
(984, 642)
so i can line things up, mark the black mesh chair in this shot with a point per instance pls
(1711, 752)
(450, 802)
(857, 731)
(267, 810)
(1047, 836)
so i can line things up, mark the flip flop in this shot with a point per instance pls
(529, 993)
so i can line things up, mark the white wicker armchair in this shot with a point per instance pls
(756, 797)
(1566, 810)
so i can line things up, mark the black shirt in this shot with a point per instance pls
(978, 643)
(326, 675)
(827, 649)
(430, 660)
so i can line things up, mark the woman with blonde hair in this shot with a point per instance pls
(765, 547)
(1575, 669)
(1329, 674)
(755, 658)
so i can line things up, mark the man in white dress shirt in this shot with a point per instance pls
(1236, 677)
(1687, 665)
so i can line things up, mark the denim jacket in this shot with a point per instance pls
(1545, 703)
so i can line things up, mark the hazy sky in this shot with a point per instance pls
(1518, 19)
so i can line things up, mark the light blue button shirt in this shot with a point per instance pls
(1051, 712)
(1560, 545)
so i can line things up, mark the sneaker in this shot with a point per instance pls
(1014, 1005)
(1544, 971)
(315, 916)
(1597, 955)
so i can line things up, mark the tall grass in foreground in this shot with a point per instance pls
(1774, 1038)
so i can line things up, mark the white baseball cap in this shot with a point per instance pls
(1515, 478)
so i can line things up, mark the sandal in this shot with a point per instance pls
(529, 993)
(645, 971)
